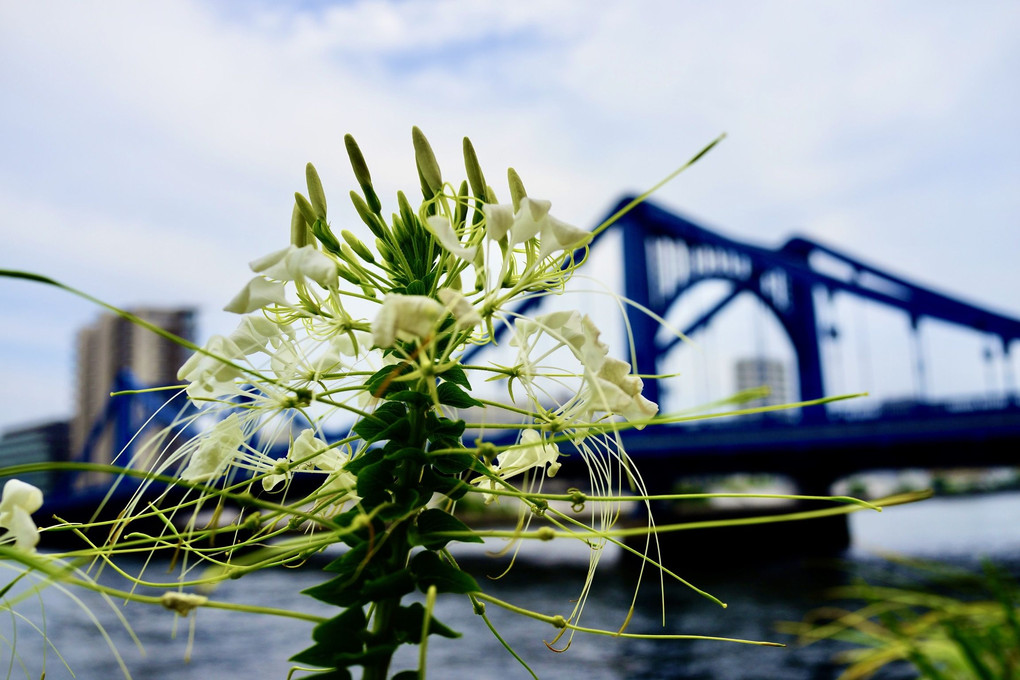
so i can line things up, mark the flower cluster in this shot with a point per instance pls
(309, 353)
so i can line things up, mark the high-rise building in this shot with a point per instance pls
(759, 372)
(113, 344)
(30, 444)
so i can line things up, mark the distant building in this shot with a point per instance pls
(40, 443)
(113, 344)
(758, 372)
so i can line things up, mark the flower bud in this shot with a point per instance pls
(361, 174)
(371, 220)
(325, 236)
(315, 192)
(428, 167)
(298, 228)
(307, 211)
(474, 170)
(516, 188)
(357, 246)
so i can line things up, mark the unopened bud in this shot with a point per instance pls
(371, 220)
(307, 211)
(348, 275)
(325, 236)
(428, 167)
(361, 173)
(357, 246)
(315, 192)
(298, 228)
(516, 188)
(474, 170)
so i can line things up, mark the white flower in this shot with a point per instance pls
(414, 315)
(254, 333)
(297, 264)
(558, 235)
(310, 453)
(528, 220)
(614, 390)
(257, 293)
(19, 501)
(217, 448)
(209, 376)
(463, 311)
(498, 220)
(608, 385)
(531, 452)
(442, 229)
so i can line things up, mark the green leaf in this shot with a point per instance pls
(453, 463)
(397, 584)
(350, 562)
(412, 397)
(402, 453)
(435, 521)
(335, 674)
(374, 482)
(341, 591)
(405, 502)
(343, 631)
(431, 571)
(452, 395)
(451, 486)
(406, 675)
(456, 375)
(407, 623)
(364, 460)
(384, 380)
(383, 422)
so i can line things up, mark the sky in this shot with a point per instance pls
(148, 151)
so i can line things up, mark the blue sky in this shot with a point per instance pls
(149, 151)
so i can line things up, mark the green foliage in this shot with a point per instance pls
(948, 623)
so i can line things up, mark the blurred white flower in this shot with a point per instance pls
(414, 315)
(532, 451)
(209, 376)
(463, 311)
(217, 448)
(443, 230)
(297, 264)
(256, 294)
(19, 501)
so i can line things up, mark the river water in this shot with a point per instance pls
(230, 646)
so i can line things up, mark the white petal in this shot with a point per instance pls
(498, 220)
(528, 220)
(258, 293)
(216, 450)
(415, 315)
(442, 229)
(19, 494)
(463, 311)
(558, 235)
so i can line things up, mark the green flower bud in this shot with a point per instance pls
(307, 211)
(326, 236)
(348, 275)
(361, 173)
(460, 213)
(357, 246)
(428, 167)
(298, 228)
(474, 170)
(371, 220)
(315, 192)
(516, 188)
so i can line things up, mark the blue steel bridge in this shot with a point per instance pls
(665, 258)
